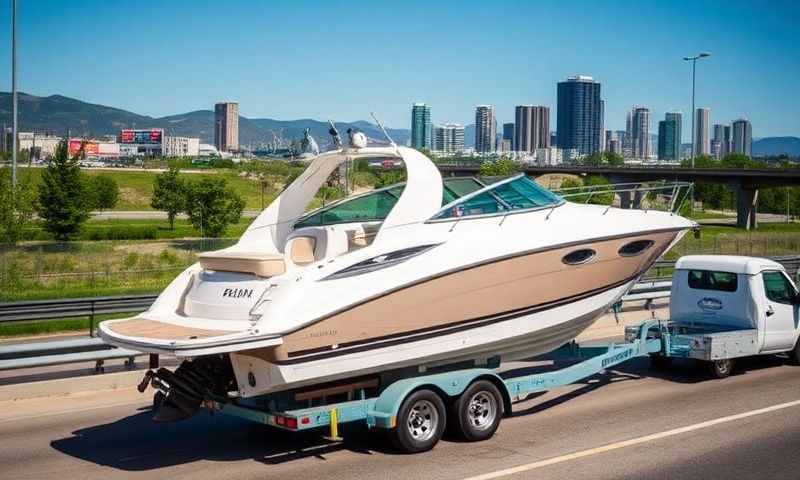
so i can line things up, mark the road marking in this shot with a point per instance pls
(67, 412)
(631, 442)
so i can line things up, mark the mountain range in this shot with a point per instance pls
(59, 114)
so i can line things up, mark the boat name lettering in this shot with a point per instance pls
(321, 333)
(237, 292)
(618, 357)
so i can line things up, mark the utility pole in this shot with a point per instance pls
(693, 59)
(13, 93)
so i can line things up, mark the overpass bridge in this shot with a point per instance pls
(745, 182)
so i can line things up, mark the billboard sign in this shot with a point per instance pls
(92, 148)
(153, 136)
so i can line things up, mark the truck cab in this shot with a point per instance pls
(720, 293)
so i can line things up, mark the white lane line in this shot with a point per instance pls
(631, 442)
(67, 412)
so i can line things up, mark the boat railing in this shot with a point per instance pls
(652, 195)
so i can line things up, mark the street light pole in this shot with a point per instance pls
(13, 93)
(693, 59)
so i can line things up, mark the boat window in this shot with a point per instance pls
(517, 194)
(709, 280)
(370, 207)
(778, 288)
(579, 257)
(635, 248)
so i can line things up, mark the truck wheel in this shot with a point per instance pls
(476, 413)
(721, 368)
(794, 354)
(420, 422)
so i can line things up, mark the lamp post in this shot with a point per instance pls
(694, 59)
(13, 93)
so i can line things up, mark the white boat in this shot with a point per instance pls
(425, 273)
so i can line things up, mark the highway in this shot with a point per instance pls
(631, 423)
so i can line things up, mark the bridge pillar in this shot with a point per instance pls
(746, 207)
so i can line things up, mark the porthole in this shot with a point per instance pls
(635, 248)
(579, 256)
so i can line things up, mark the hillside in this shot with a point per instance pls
(59, 115)
(771, 146)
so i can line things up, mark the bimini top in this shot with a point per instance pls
(727, 263)
(421, 198)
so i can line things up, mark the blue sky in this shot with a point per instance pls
(341, 60)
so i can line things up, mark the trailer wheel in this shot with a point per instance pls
(476, 413)
(420, 422)
(721, 368)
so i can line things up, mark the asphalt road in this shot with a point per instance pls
(631, 423)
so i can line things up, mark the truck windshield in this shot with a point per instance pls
(708, 280)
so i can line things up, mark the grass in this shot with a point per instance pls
(136, 186)
(135, 229)
(42, 327)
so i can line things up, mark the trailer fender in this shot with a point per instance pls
(450, 384)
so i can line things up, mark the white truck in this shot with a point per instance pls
(727, 307)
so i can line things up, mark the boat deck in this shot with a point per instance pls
(145, 328)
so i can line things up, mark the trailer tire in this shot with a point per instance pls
(721, 368)
(794, 354)
(421, 420)
(476, 413)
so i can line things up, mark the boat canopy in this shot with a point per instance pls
(420, 199)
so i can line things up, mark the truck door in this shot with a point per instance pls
(781, 313)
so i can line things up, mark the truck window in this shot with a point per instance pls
(778, 288)
(708, 280)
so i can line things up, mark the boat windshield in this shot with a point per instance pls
(376, 205)
(518, 193)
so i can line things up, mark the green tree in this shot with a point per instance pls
(389, 177)
(211, 206)
(499, 168)
(63, 201)
(169, 194)
(103, 191)
(603, 159)
(581, 191)
(17, 205)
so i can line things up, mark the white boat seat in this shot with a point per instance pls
(312, 244)
(261, 264)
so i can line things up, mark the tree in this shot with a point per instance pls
(211, 206)
(603, 159)
(499, 168)
(63, 201)
(17, 205)
(169, 194)
(103, 191)
(580, 191)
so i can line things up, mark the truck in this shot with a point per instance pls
(725, 307)
(722, 308)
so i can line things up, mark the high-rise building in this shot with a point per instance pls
(640, 130)
(531, 128)
(627, 139)
(742, 137)
(485, 129)
(226, 126)
(421, 131)
(702, 126)
(508, 134)
(727, 140)
(578, 119)
(669, 137)
(718, 141)
(448, 138)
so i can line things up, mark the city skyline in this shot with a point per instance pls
(734, 82)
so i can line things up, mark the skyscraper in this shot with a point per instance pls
(742, 137)
(640, 130)
(421, 132)
(677, 118)
(485, 129)
(702, 125)
(448, 138)
(727, 140)
(669, 145)
(226, 126)
(508, 134)
(578, 119)
(531, 128)
(718, 141)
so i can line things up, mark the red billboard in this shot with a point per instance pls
(153, 136)
(90, 147)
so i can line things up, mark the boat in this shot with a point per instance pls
(429, 272)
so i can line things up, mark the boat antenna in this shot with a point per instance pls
(337, 140)
(380, 125)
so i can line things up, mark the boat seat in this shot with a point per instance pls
(312, 244)
(261, 264)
